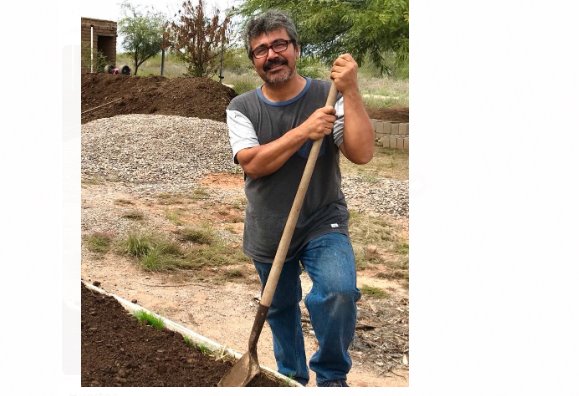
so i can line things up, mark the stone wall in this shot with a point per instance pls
(391, 134)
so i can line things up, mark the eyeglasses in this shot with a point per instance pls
(277, 46)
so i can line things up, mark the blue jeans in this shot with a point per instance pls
(329, 261)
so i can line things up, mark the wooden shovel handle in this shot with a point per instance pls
(290, 225)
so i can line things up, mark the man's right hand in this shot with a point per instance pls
(320, 123)
(263, 160)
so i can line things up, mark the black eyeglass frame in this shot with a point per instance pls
(285, 44)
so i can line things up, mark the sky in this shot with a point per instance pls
(111, 9)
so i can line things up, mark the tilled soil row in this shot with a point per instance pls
(117, 350)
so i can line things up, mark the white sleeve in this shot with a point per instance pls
(241, 132)
(339, 123)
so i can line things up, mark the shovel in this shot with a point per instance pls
(248, 366)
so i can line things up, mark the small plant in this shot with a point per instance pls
(169, 199)
(138, 245)
(122, 201)
(234, 274)
(149, 319)
(158, 260)
(99, 242)
(402, 248)
(174, 216)
(134, 215)
(188, 342)
(240, 204)
(374, 292)
(204, 349)
(151, 260)
(197, 235)
(92, 181)
(199, 193)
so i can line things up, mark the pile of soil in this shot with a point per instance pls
(117, 350)
(397, 114)
(107, 95)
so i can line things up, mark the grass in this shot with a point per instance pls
(242, 82)
(123, 202)
(373, 292)
(240, 204)
(169, 199)
(177, 199)
(92, 180)
(204, 349)
(380, 92)
(201, 235)
(388, 163)
(98, 242)
(402, 248)
(378, 242)
(174, 216)
(134, 215)
(234, 274)
(156, 252)
(149, 319)
(199, 193)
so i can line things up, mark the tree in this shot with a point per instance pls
(198, 40)
(143, 33)
(364, 28)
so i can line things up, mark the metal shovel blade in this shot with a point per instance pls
(243, 371)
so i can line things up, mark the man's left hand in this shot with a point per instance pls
(345, 73)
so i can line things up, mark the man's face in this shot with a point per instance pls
(275, 68)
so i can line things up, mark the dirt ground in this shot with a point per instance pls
(117, 350)
(208, 301)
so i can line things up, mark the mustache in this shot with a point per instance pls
(274, 62)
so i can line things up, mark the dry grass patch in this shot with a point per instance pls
(378, 242)
(98, 242)
(134, 215)
(195, 248)
(374, 292)
(123, 202)
(387, 163)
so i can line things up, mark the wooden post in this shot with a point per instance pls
(221, 77)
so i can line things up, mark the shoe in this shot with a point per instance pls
(336, 382)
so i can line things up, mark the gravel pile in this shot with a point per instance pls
(150, 154)
(155, 151)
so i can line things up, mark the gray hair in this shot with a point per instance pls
(267, 22)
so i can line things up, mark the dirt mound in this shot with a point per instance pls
(106, 95)
(399, 114)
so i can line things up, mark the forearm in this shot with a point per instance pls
(266, 159)
(358, 144)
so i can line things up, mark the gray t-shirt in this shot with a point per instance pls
(253, 120)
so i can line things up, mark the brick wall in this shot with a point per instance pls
(391, 134)
(104, 41)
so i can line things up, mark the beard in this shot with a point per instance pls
(280, 76)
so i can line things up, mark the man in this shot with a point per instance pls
(271, 130)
